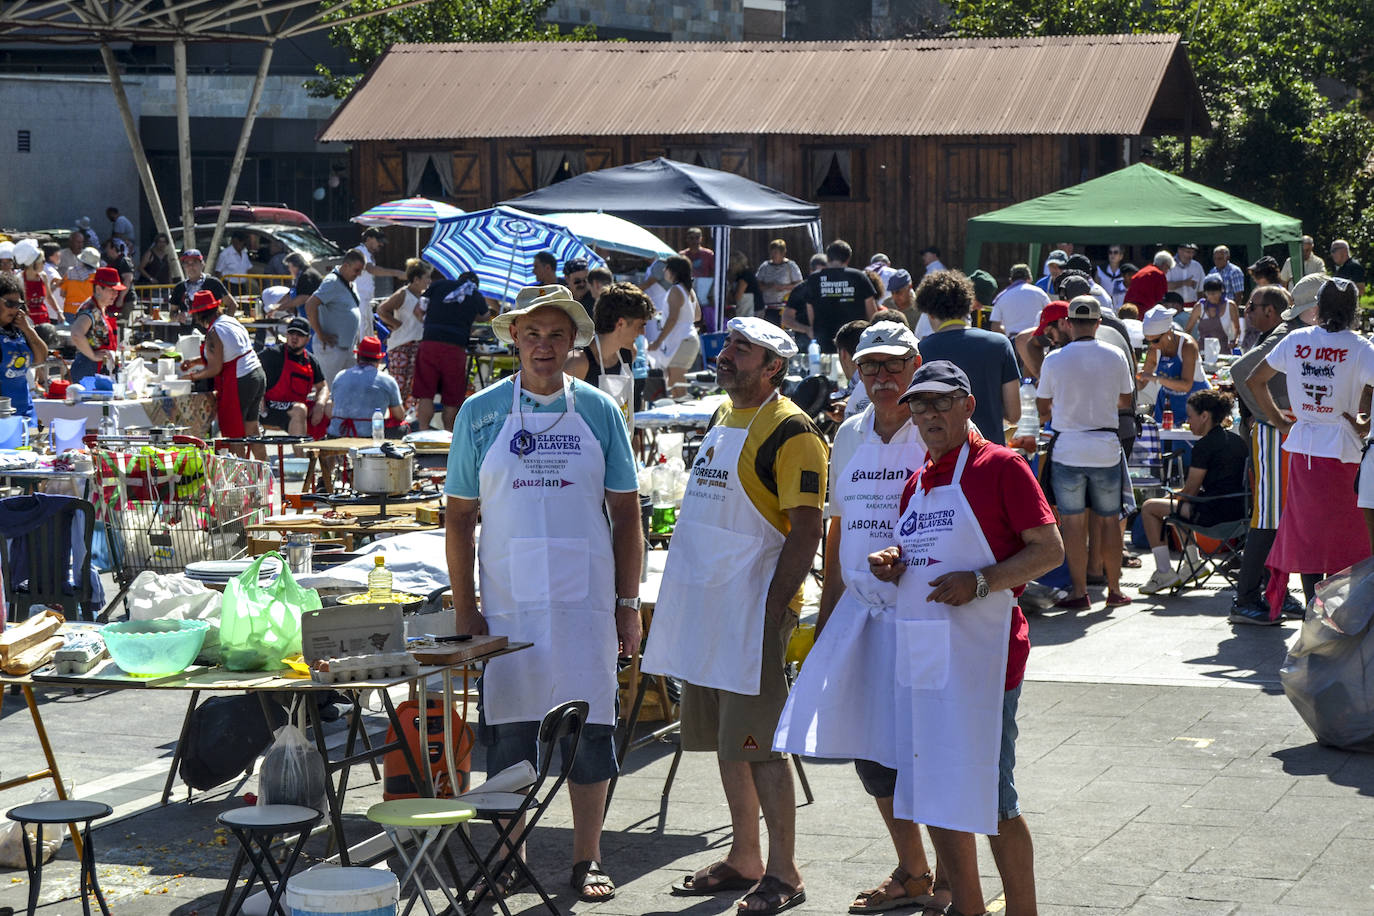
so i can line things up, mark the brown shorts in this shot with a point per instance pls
(734, 725)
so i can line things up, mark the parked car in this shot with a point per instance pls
(241, 211)
(323, 254)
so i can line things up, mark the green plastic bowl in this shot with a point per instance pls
(149, 648)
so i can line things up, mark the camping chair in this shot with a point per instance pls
(46, 550)
(564, 721)
(1219, 546)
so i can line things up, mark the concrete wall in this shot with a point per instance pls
(79, 162)
(679, 20)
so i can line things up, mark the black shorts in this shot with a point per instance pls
(251, 389)
(273, 416)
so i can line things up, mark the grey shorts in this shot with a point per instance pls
(512, 742)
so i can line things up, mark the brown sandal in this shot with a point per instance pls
(916, 891)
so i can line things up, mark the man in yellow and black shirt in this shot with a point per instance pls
(744, 543)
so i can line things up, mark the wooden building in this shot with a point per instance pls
(899, 141)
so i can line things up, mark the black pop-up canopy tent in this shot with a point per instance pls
(1137, 205)
(663, 192)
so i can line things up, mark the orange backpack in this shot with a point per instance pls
(397, 781)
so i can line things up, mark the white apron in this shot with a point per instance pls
(621, 386)
(547, 572)
(953, 667)
(708, 623)
(845, 702)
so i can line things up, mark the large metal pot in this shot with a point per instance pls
(387, 469)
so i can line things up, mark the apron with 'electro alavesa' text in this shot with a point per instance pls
(952, 667)
(708, 621)
(844, 703)
(547, 572)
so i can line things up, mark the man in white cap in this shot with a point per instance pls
(842, 705)
(745, 539)
(548, 460)
(1273, 314)
(1082, 386)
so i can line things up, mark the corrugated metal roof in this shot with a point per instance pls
(1103, 84)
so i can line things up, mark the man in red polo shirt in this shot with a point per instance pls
(973, 529)
(1150, 283)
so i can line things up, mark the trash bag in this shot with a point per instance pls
(261, 624)
(292, 772)
(1328, 675)
(224, 737)
(173, 596)
(12, 835)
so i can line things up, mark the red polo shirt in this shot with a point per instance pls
(1147, 288)
(1006, 499)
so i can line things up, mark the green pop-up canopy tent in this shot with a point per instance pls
(1137, 205)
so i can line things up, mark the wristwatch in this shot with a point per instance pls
(627, 602)
(981, 591)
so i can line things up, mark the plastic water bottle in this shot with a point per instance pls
(379, 582)
(378, 428)
(640, 367)
(109, 426)
(665, 511)
(1028, 427)
(813, 357)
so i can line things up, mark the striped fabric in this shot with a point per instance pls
(415, 212)
(499, 245)
(1268, 475)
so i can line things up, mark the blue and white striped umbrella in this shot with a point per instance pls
(415, 212)
(499, 245)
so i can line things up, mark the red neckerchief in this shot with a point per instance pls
(948, 461)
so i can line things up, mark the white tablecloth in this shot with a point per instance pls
(126, 413)
(690, 413)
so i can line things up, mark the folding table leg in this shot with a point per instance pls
(801, 775)
(312, 712)
(180, 748)
(32, 702)
(406, 751)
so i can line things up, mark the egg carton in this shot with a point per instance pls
(350, 668)
(79, 655)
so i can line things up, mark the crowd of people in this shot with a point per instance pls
(927, 510)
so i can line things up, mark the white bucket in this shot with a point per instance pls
(342, 892)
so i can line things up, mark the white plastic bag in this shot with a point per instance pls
(292, 771)
(12, 839)
(173, 596)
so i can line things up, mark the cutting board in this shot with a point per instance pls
(453, 653)
(109, 673)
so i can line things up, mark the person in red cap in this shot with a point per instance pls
(360, 391)
(227, 356)
(94, 331)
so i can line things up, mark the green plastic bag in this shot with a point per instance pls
(261, 625)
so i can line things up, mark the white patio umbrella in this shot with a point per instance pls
(613, 233)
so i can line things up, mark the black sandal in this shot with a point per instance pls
(588, 874)
(506, 884)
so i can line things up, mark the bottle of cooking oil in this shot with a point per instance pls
(379, 582)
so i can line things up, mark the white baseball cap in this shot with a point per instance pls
(886, 338)
(765, 334)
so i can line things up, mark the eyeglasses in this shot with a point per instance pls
(939, 405)
(1154, 341)
(890, 366)
(16, 302)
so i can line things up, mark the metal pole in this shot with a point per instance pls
(145, 174)
(240, 152)
(188, 211)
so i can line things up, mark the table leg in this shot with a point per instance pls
(449, 762)
(181, 743)
(33, 863)
(275, 905)
(426, 789)
(312, 711)
(43, 741)
(88, 875)
(233, 882)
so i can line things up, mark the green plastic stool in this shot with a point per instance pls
(427, 824)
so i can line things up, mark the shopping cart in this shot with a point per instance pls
(166, 506)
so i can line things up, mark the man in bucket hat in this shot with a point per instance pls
(547, 460)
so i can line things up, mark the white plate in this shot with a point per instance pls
(220, 569)
(295, 517)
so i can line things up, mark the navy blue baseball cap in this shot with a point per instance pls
(938, 376)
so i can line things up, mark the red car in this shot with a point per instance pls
(241, 211)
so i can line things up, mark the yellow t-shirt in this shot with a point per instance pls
(784, 461)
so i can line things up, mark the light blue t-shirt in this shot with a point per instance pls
(339, 311)
(481, 417)
(359, 391)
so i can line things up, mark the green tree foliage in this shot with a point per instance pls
(1263, 67)
(433, 22)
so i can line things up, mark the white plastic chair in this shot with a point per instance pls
(67, 433)
(14, 432)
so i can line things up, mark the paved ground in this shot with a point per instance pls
(1160, 768)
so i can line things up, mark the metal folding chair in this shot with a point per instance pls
(1221, 558)
(505, 810)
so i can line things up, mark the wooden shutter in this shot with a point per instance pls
(390, 176)
(517, 173)
(737, 161)
(597, 159)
